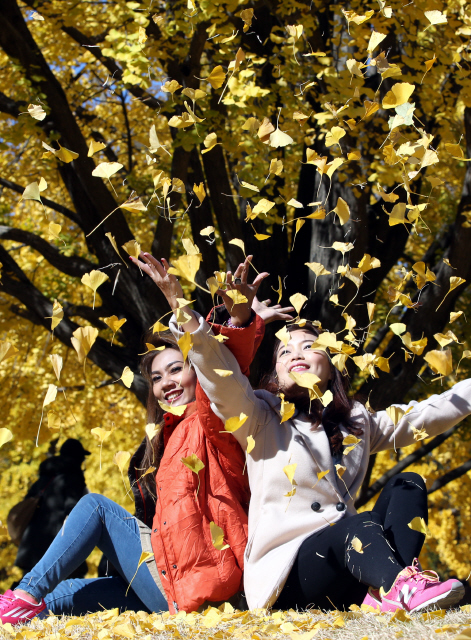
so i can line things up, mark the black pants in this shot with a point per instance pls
(328, 573)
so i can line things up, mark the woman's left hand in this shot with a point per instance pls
(241, 313)
(271, 314)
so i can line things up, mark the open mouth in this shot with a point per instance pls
(173, 396)
(298, 368)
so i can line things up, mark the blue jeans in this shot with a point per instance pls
(99, 522)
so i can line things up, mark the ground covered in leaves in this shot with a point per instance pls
(225, 623)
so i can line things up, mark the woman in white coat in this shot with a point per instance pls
(306, 543)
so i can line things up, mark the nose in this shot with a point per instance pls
(168, 382)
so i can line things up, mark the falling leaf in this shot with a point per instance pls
(127, 377)
(217, 537)
(186, 267)
(170, 86)
(106, 169)
(435, 17)
(455, 281)
(262, 206)
(193, 463)
(50, 396)
(232, 424)
(440, 361)
(250, 444)
(375, 39)
(53, 420)
(298, 300)
(399, 94)
(340, 469)
(200, 193)
(210, 142)
(132, 248)
(342, 210)
(7, 350)
(111, 238)
(83, 340)
(419, 524)
(289, 471)
(121, 459)
(115, 324)
(31, 192)
(236, 296)
(95, 147)
(5, 436)
(152, 430)
(36, 111)
(395, 413)
(334, 136)
(283, 335)
(279, 139)
(287, 409)
(93, 280)
(216, 77)
(185, 343)
(224, 373)
(357, 545)
(134, 203)
(176, 411)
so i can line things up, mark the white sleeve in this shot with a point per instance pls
(435, 414)
(229, 396)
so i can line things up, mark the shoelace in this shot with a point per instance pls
(5, 601)
(425, 576)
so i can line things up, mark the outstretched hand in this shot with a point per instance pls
(158, 272)
(271, 314)
(240, 312)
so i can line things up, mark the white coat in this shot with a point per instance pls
(278, 524)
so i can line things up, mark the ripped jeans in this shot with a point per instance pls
(99, 522)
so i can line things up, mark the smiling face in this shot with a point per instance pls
(173, 382)
(298, 357)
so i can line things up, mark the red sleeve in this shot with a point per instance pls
(243, 343)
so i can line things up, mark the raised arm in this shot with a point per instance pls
(435, 415)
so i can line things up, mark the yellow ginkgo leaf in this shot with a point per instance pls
(50, 396)
(170, 86)
(186, 267)
(127, 377)
(298, 300)
(399, 94)
(357, 545)
(36, 111)
(419, 524)
(185, 343)
(217, 537)
(121, 460)
(31, 192)
(127, 630)
(263, 206)
(176, 411)
(83, 340)
(289, 471)
(435, 17)
(200, 193)
(93, 280)
(395, 413)
(236, 296)
(193, 463)
(286, 409)
(112, 239)
(334, 136)
(53, 420)
(66, 155)
(5, 436)
(232, 424)
(216, 77)
(57, 314)
(375, 39)
(132, 248)
(455, 281)
(106, 169)
(56, 362)
(94, 147)
(283, 335)
(7, 350)
(250, 444)
(210, 142)
(279, 139)
(101, 434)
(224, 373)
(152, 430)
(342, 210)
(115, 324)
(320, 475)
(340, 469)
(440, 361)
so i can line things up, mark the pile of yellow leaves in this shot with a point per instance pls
(225, 622)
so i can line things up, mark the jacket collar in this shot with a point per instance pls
(171, 421)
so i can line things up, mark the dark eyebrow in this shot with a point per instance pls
(313, 339)
(169, 365)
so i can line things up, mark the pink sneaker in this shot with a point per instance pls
(15, 610)
(372, 599)
(414, 590)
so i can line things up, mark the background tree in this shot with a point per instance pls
(289, 125)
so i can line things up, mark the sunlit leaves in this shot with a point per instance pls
(93, 280)
(399, 94)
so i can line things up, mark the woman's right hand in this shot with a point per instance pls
(158, 272)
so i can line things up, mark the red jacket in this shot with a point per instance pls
(191, 569)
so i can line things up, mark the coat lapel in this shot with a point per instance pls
(317, 443)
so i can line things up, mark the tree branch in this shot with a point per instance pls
(450, 476)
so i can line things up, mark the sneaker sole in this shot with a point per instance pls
(445, 600)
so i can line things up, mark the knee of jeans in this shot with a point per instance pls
(90, 499)
(413, 480)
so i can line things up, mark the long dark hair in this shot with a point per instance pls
(336, 413)
(154, 449)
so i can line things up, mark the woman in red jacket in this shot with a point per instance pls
(184, 567)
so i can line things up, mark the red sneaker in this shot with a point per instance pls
(414, 590)
(15, 610)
